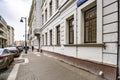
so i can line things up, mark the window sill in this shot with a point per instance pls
(85, 45)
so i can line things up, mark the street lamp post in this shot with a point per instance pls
(25, 32)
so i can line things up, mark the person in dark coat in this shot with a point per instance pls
(2, 46)
(32, 48)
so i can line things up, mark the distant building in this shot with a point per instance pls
(84, 33)
(10, 36)
(19, 43)
(34, 23)
(6, 34)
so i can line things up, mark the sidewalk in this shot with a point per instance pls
(42, 67)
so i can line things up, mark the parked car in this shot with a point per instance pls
(14, 50)
(20, 48)
(5, 58)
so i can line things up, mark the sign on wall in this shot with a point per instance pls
(80, 2)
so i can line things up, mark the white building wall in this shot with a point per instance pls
(38, 14)
(61, 2)
(110, 29)
(106, 30)
(35, 22)
(90, 53)
(86, 53)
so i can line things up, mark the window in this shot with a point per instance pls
(46, 15)
(71, 30)
(43, 39)
(57, 4)
(90, 25)
(42, 19)
(58, 35)
(46, 38)
(50, 37)
(50, 8)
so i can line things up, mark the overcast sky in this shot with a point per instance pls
(12, 11)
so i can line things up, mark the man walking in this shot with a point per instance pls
(32, 48)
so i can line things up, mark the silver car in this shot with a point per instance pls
(5, 58)
(14, 50)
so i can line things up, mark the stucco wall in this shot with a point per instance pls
(106, 31)
(87, 53)
(110, 35)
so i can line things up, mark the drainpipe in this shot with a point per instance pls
(118, 59)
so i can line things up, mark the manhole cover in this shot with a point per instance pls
(19, 61)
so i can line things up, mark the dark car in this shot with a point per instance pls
(5, 58)
(14, 50)
(20, 48)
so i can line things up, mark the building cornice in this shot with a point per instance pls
(66, 5)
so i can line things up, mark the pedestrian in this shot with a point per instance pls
(32, 48)
(2, 46)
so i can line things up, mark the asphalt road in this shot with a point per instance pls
(4, 73)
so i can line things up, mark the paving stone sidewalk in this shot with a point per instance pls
(42, 67)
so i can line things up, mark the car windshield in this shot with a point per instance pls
(1, 50)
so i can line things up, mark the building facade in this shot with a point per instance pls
(3, 32)
(6, 34)
(19, 43)
(83, 33)
(34, 22)
(10, 36)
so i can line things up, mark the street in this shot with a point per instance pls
(36, 66)
(5, 73)
(59, 40)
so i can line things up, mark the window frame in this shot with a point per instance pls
(70, 29)
(46, 37)
(43, 39)
(46, 14)
(50, 5)
(42, 19)
(90, 38)
(58, 35)
(51, 37)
